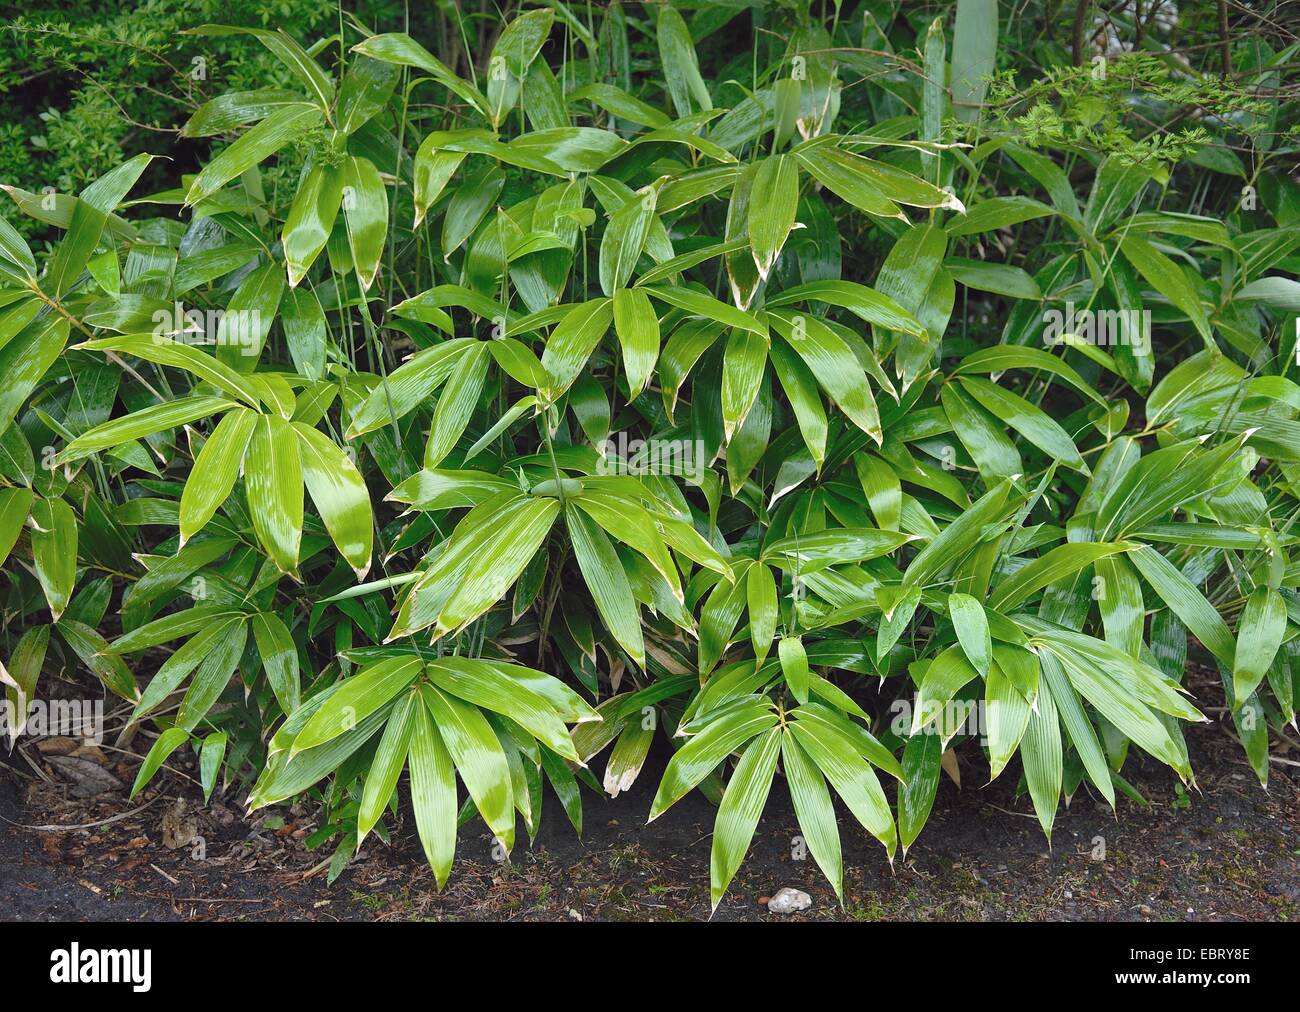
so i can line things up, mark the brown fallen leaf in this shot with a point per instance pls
(57, 745)
(88, 779)
(949, 763)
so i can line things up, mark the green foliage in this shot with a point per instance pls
(786, 387)
(93, 81)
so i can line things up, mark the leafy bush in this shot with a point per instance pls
(788, 383)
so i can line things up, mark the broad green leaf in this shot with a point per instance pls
(853, 779)
(681, 67)
(212, 675)
(637, 327)
(166, 743)
(794, 665)
(158, 418)
(958, 538)
(211, 752)
(833, 363)
(972, 627)
(387, 765)
(944, 677)
(620, 103)
(433, 793)
(838, 172)
(624, 239)
(1119, 598)
(23, 674)
(493, 572)
(298, 61)
(627, 757)
(25, 359)
(760, 590)
(974, 48)
(700, 756)
(607, 581)
(572, 341)
(171, 673)
(1187, 602)
(456, 404)
(863, 302)
(236, 108)
(854, 175)
(93, 650)
(408, 386)
(400, 49)
(1078, 726)
(1040, 749)
(497, 516)
(311, 218)
(706, 306)
(281, 127)
(743, 364)
(356, 699)
(921, 765)
(740, 809)
(433, 171)
(515, 49)
(1118, 181)
(836, 721)
(16, 259)
(1118, 704)
(492, 688)
(1167, 278)
(479, 759)
(241, 334)
(54, 551)
(273, 477)
(365, 209)
(994, 454)
(773, 204)
(165, 351)
(90, 216)
(1059, 563)
(880, 484)
(1008, 717)
(993, 360)
(367, 87)
(1259, 634)
(279, 658)
(1001, 279)
(814, 810)
(470, 203)
(637, 529)
(15, 505)
(216, 469)
(995, 213)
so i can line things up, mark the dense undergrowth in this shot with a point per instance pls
(820, 387)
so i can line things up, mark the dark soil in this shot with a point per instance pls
(1230, 851)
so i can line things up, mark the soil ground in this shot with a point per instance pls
(1230, 851)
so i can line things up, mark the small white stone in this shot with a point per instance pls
(788, 900)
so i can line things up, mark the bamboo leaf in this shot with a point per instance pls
(273, 474)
